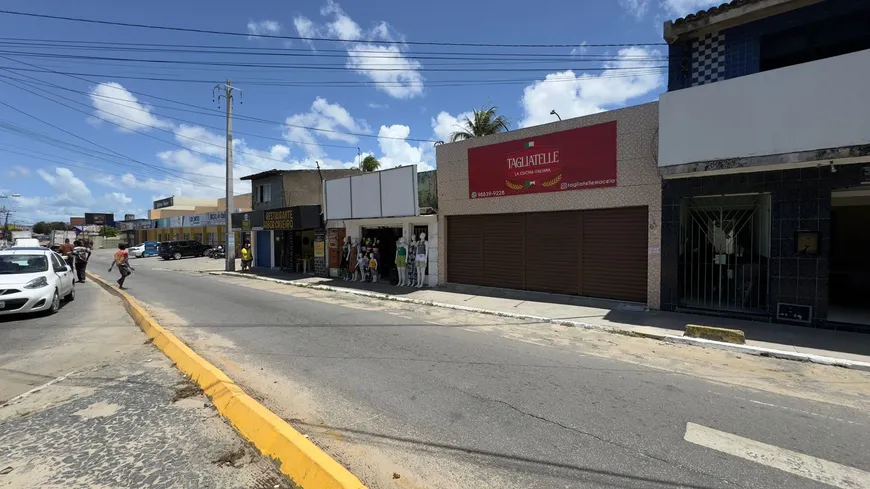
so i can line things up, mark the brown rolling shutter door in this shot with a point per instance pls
(464, 250)
(552, 254)
(615, 254)
(504, 250)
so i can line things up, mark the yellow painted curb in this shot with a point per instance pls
(716, 334)
(300, 459)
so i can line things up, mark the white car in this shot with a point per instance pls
(136, 251)
(33, 280)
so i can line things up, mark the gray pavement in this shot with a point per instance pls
(86, 402)
(448, 399)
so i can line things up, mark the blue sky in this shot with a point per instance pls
(122, 141)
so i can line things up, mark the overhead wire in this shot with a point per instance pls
(151, 126)
(66, 146)
(285, 51)
(302, 38)
(9, 106)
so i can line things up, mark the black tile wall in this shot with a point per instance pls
(800, 200)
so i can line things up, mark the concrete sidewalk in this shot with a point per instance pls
(804, 343)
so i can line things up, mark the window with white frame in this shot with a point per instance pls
(264, 193)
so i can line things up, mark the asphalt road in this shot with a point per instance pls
(86, 378)
(443, 400)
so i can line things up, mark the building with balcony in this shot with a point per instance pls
(764, 151)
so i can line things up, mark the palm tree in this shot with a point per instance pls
(483, 122)
(370, 163)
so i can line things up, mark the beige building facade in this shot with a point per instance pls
(557, 230)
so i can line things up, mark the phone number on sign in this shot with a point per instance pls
(493, 193)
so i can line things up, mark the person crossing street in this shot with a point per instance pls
(122, 261)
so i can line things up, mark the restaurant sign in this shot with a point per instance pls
(278, 219)
(576, 159)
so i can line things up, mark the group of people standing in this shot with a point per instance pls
(76, 255)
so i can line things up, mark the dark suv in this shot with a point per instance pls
(179, 249)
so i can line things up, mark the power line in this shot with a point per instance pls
(325, 39)
(271, 51)
(88, 140)
(279, 123)
(640, 71)
(145, 125)
(39, 137)
(341, 67)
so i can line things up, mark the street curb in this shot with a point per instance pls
(300, 459)
(674, 339)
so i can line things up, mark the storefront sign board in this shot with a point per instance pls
(319, 249)
(162, 203)
(278, 219)
(193, 220)
(387, 193)
(216, 218)
(575, 159)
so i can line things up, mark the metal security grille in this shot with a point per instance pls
(724, 252)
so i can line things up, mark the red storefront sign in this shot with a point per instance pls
(576, 159)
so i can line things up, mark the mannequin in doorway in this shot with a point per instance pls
(411, 269)
(402, 261)
(422, 259)
(352, 261)
(345, 258)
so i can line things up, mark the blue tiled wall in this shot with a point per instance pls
(742, 43)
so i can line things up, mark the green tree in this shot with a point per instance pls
(108, 231)
(482, 122)
(43, 227)
(370, 163)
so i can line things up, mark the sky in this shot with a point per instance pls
(105, 118)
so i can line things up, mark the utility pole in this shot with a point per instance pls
(6, 225)
(227, 94)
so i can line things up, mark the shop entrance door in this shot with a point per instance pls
(264, 249)
(849, 267)
(724, 252)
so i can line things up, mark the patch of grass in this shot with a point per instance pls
(186, 391)
(230, 457)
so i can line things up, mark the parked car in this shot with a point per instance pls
(136, 251)
(34, 279)
(176, 250)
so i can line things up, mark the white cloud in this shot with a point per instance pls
(326, 117)
(116, 104)
(581, 49)
(263, 27)
(341, 25)
(444, 125)
(686, 7)
(69, 190)
(574, 95)
(387, 66)
(373, 105)
(399, 152)
(18, 171)
(637, 8)
(393, 73)
(67, 195)
(305, 28)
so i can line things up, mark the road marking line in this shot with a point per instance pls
(37, 389)
(806, 466)
(786, 408)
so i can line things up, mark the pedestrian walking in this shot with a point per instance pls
(122, 261)
(66, 250)
(82, 255)
(247, 256)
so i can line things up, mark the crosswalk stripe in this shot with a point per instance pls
(830, 473)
